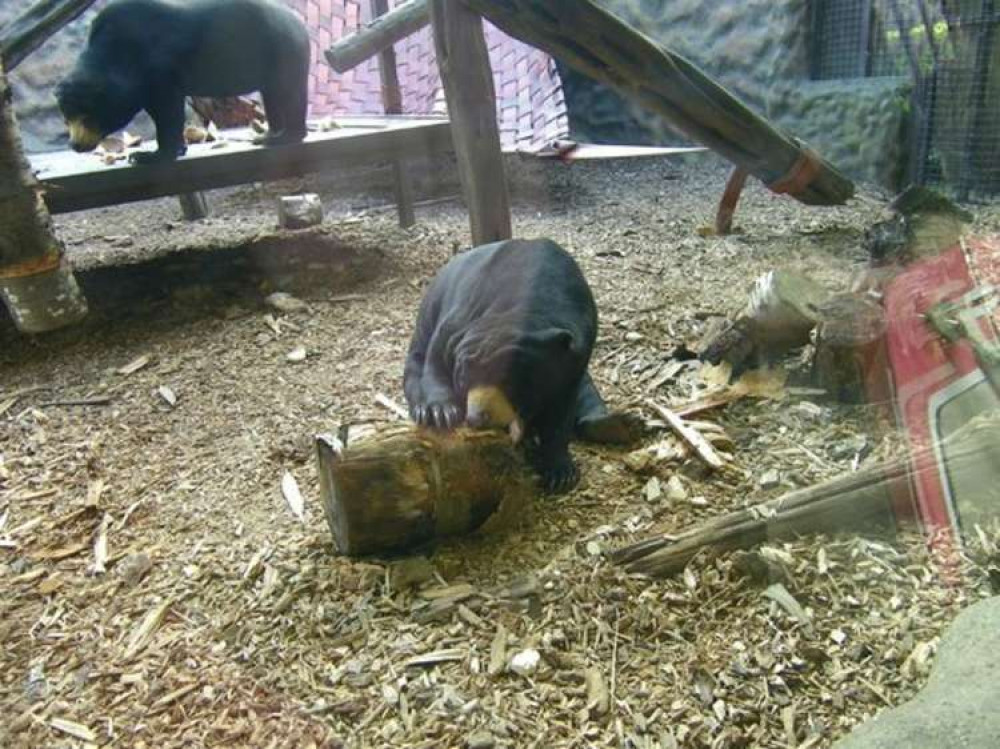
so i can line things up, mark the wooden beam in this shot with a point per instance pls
(392, 102)
(604, 47)
(36, 284)
(31, 29)
(74, 182)
(350, 51)
(468, 84)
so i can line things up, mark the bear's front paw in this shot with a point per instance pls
(154, 157)
(438, 415)
(560, 476)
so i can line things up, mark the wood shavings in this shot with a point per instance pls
(293, 496)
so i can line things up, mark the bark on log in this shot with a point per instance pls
(28, 32)
(849, 346)
(406, 486)
(855, 501)
(384, 31)
(392, 103)
(36, 285)
(468, 84)
(607, 49)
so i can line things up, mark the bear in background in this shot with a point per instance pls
(503, 339)
(151, 54)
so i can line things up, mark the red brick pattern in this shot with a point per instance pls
(530, 105)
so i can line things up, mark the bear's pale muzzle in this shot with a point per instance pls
(489, 408)
(82, 137)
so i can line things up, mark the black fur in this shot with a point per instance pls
(520, 316)
(150, 54)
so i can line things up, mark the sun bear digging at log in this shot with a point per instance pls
(503, 339)
(151, 54)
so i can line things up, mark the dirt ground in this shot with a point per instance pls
(222, 620)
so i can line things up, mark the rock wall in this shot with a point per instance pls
(758, 50)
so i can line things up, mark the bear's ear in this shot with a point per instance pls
(556, 339)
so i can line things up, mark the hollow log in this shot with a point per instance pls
(853, 502)
(28, 32)
(604, 47)
(849, 346)
(406, 486)
(36, 284)
(384, 31)
(464, 63)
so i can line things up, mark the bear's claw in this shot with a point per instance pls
(438, 415)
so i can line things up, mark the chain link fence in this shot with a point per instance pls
(951, 51)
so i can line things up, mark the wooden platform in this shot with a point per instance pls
(75, 181)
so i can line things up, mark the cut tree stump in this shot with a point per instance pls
(194, 206)
(780, 313)
(464, 63)
(404, 486)
(858, 501)
(36, 283)
(850, 351)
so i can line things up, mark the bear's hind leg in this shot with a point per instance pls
(594, 423)
(167, 112)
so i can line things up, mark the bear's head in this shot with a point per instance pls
(510, 378)
(94, 107)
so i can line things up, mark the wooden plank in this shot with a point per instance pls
(604, 47)
(468, 84)
(28, 32)
(392, 102)
(74, 182)
(350, 51)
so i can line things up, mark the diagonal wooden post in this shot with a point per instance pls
(36, 284)
(468, 85)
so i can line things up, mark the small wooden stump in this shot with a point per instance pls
(779, 316)
(849, 346)
(300, 211)
(405, 486)
(194, 206)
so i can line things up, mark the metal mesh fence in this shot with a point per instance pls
(950, 49)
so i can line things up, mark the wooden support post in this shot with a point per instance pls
(28, 32)
(194, 206)
(468, 85)
(604, 47)
(387, 29)
(392, 102)
(36, 284)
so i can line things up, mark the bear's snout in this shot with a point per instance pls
(82, 137)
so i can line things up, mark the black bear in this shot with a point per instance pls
(151, 54)
(503, 339)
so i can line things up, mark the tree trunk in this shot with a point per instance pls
(28, 32)
(36, 284)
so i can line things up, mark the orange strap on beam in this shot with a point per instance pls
(47, 262)
(800, 176)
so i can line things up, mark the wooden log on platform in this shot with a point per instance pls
(405, 486)
(849, 346)
(601, 45)
(392, 103)
(36, 284)
(856, 501)
(468, 84)
(28, 32)
(194, 206)
(384, 31)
